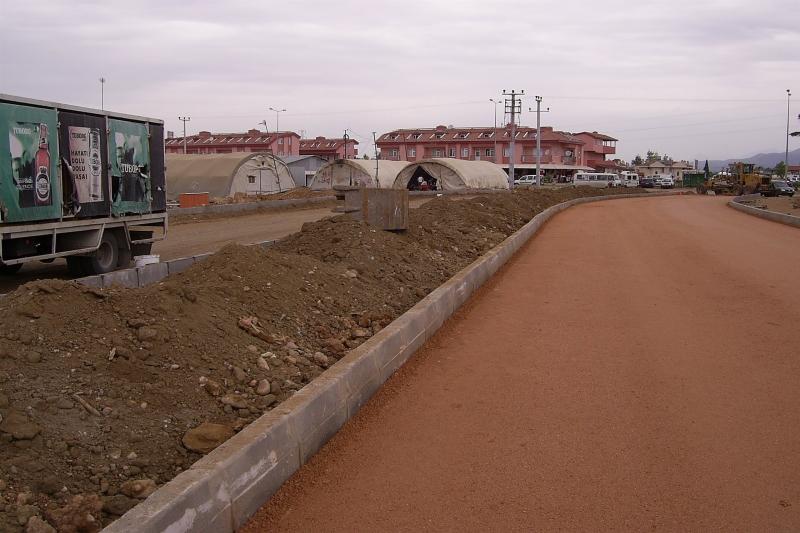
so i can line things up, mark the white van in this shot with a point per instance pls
(629, 179)
(528, 179)
(594, 179)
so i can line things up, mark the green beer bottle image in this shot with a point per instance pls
(42, 185)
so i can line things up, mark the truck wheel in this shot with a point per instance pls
(9, 270)
(106, 257)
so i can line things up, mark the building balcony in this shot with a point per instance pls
(530, 158)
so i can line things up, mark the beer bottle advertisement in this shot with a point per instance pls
(86, 164)
(24, 145)
(42, 194)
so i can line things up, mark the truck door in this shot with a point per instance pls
(129, 158)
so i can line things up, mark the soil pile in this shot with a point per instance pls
(107, 394)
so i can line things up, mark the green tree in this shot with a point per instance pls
(637, 160)
(652, 155)
(780, 169)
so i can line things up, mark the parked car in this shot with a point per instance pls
(657, 181)
(779, 188)
(667, 182)
(527, 179)
(615, 182)
(647, 182)
(793, 180)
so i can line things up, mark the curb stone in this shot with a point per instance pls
(222, 490)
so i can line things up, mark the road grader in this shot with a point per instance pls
(741, 178)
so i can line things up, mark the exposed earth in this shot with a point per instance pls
(107, 394)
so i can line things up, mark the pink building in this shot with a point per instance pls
(329, 149)
(595, 147)
(285, 143)
(562, 152)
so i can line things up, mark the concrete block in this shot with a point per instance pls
(192, 501)
(386, 345)
(92, 281)
(360, 374)
(179, 265)
(154, 273)
(254, 463)
(318, 410)
(125, 278)
(201, 257)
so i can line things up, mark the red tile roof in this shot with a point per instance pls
(601, 136)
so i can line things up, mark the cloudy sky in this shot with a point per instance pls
(690, 78)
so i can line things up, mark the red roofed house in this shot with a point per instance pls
(285, 143)
(329, 149)
(596, 146)
(562, 152)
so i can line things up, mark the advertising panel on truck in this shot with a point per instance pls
(29, 188)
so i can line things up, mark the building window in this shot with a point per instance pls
(438, 135)
(395, 153)
(507, 152)
(437, 153)
(452, 152)
(251, 179)
(489, 152)
(462, 135)
(412, 152)
(280, 141)
(415, 136)
(465, 152)
(477, 154)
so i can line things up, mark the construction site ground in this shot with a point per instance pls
(197, 234)
(789, 205)
(634, 368)
(106, 394)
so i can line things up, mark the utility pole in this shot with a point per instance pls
(375, 145)
(102, 93)
(345, 138)
(513, 106)
(495, 102)
(184, 120)
(539, 135)
(786, 158)
(277, 118)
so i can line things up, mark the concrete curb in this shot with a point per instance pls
(789, 220)
(223, 489)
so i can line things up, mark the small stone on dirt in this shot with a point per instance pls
(119, 504)
(145, 333)
(234, 400)
(138, 488)
(263, 387)
(37, 525)
(206, 437)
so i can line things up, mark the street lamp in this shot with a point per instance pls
(495, 102)
(277, 118)
(102, 93)
(788, 103)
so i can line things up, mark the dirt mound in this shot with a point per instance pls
(107, 394)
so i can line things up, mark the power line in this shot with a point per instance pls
(663, 99)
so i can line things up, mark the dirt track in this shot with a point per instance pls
(635, 367)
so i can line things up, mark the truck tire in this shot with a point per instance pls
(106, 257)
(9, 270)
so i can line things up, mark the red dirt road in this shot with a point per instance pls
(635, 367)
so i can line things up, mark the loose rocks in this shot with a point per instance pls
(206, 437)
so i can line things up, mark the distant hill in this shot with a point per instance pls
(761, 160)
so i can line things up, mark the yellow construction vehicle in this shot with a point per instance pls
(741, 178)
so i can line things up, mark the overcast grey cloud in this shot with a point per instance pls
(694, 79)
